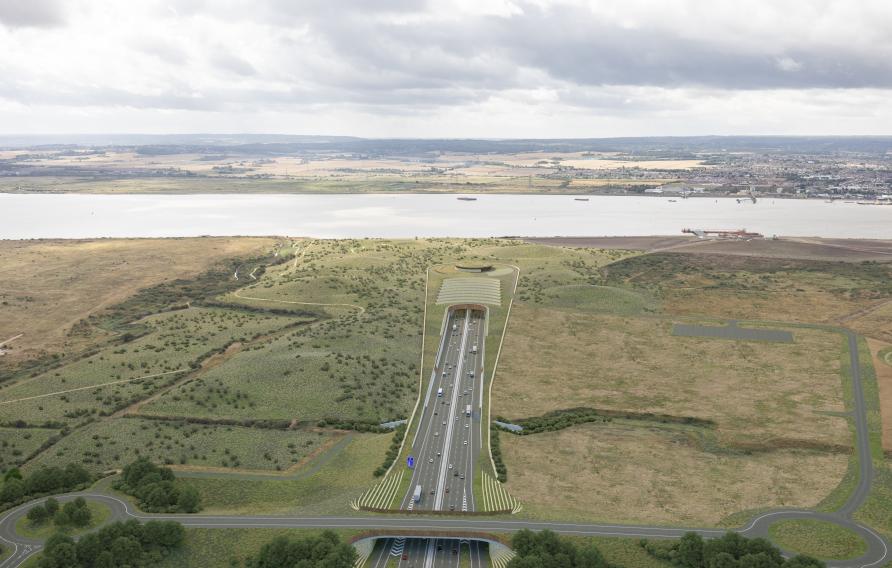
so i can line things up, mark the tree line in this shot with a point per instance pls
(18, 488)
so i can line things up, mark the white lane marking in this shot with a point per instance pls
(441, 481)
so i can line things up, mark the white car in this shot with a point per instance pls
(450, 466)
(466, 442)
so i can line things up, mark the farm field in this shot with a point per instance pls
(49, 286)
(112, 444)
(639, 474)
(765, 416)
(752, 391)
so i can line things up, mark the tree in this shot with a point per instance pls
(188, 500)
(802, 561)
(51, 506)
(723, 560)
(12, 473)
(12, 490)
(37, 514)
(689, 552)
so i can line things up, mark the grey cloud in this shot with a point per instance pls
(233, 64)
(164, 50)
(572, 45)
(31, 13)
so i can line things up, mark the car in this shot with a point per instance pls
(450, 466)
(466, 425)
(436, 433)
(452, 508)
(456, 417)
(462, 476)
(431, 460)
(405, 556)
(432, 491)
(439, 547)
(444, 423)
(435, 413)
(447, 490)
(455, 474)
(438, 454)
(466, 442)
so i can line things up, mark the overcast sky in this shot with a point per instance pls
(447, 68)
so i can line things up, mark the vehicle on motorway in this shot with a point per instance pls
(417, 495)
(455, 327)
(468, 410)
(474, 349)
(471, 374)
(450, 466)
(440, 391)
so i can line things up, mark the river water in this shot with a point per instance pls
(27, 216)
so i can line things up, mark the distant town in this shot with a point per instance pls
(849, 168)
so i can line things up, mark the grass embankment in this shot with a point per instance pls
(219, 548)
(328, 491)
(827, 541)
(100, 513)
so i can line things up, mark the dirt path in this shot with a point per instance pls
(91, 387)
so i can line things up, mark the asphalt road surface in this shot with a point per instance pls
(876, 556)
(426, 552)
(447, 443)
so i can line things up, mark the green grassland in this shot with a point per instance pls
(176, 342)
(817, 538)
(100, 513)
(325, 490)
(111, 444)
(17, 444)
(219, 548)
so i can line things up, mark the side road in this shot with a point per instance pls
(877, 553)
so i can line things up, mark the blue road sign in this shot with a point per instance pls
(410, 461)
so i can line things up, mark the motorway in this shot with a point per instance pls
(447, 443)
(877, 553)
(417, 552)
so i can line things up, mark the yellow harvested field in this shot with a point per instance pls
(618, 473)
(760, 394)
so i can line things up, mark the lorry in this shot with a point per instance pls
(468, 410)
(417, 495)
(474, 350)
